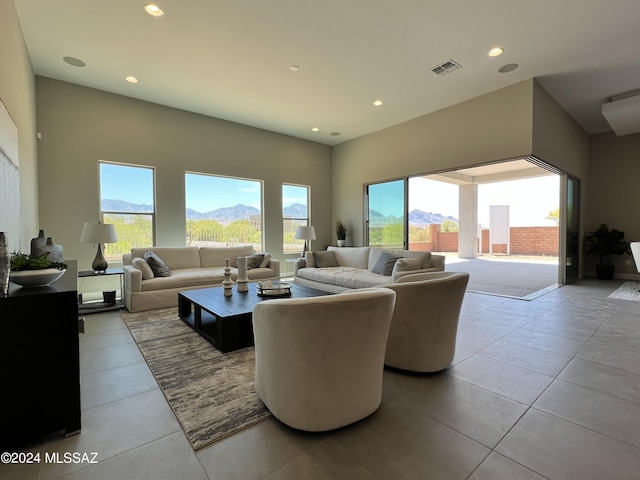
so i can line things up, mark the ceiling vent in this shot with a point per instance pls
(623, 113)
(446, 67)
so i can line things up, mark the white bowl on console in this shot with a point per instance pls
(35, 278)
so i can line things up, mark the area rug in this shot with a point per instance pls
(211, 393)
(627, 291)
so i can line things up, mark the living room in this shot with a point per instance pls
(79, 126)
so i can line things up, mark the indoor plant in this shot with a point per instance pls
(30, 271)
(605, 243)
(341, 232)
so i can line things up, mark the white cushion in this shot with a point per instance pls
(406, 265)
(142, 265)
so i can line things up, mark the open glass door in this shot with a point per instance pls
(572, 239)
(386, 205)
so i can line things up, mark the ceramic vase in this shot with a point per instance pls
(37, 243)
(243, 280)
(227, 283)
(5, 265)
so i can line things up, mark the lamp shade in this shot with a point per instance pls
(305, 233)
(98, 233)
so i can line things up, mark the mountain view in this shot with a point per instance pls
(227, 214)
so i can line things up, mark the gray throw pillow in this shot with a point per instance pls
(142, 265)
(158, 267)
(384, 265)
(325, 259)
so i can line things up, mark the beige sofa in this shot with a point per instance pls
(342, 268)
(189, 268)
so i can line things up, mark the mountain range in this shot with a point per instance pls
(416, 217)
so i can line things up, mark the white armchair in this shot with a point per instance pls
(320, 360)
(423, 331)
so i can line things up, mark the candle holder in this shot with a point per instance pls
(227, 283)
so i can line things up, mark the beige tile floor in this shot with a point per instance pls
(543, 389)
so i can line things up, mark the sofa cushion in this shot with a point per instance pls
(173, 257)
(405, 264)
(377, 251)
(216, 256)
(325, 259)
(357, 257)
(384, 265)
(265, 261)
(253, 261)
(157, 265)
(347, 277)
(142, 265)
(309, 261)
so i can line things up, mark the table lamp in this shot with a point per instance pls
(98, 233)
(305, 233)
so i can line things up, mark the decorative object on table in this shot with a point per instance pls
(243, 280)
(5, 265)
(37, 243)
(30, 271)
(54, 252)
(269, 288)
(98, 233)
(341, 232)
(227, 283)
(605, 243)
(305, 233)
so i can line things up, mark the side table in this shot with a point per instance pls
(84, 308)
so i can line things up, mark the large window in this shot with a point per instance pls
(386, 206)
(223, 211)
(295, 213)
(127, 201)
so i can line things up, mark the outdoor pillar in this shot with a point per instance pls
(468, 221)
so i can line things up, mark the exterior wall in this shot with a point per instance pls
(541, 241)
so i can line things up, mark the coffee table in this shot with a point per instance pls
(226, 321)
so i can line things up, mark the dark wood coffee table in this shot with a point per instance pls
(226, 321)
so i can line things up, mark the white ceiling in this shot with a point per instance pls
(231, 59)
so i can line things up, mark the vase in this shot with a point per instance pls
(37, 243)
(227, 283)
(243, 280)
(5, 265)
(341, 243)
(55, 253)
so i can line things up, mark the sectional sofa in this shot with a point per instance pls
(342, 268)
(153, 276)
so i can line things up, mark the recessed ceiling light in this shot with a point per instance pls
(294, 68)
(315, 129)
(153, 10)
(509, 67)
(76, 62)
(131, 79)
(377, 103)
(495, 51)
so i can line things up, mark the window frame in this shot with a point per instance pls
(296, 245)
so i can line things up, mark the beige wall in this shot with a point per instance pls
(17, 92)
(81, 126)
(614, 193)
(495, 126)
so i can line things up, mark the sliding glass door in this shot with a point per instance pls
(386, 211)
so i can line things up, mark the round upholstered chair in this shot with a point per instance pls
(424, 327)
(320, 360)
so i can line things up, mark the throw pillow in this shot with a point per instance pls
(325, 259)
(309, 261)
(253, 261)
(405, 265)
(142, 265)
(159, 268)
(265, 261)
(384, 265)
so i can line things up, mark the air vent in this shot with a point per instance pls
(446, 67)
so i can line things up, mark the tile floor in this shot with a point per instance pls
(543, 389)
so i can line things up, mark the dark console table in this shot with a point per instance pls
(39, 357)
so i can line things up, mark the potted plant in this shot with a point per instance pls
(30, 271)
(605, 243)
(341, 232)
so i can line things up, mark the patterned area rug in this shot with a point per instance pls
(627, 291)
(211, 393)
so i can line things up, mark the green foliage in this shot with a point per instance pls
(449, 225)
(554, 215)
(341, 230)
(26, 261)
